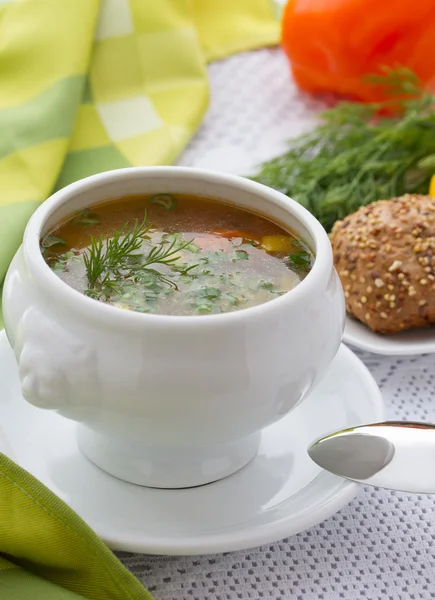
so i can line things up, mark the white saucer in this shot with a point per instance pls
(280, 493)
(407, 343)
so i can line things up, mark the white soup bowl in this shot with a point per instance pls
(170, 401)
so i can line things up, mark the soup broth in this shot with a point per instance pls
(175, 255)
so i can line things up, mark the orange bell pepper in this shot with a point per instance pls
(333, 44)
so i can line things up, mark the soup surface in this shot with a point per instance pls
(175, 255)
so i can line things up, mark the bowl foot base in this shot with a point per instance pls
(172, 468)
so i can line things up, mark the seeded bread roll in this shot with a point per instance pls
(385, 256)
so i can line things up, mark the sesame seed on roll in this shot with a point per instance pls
(384, 254)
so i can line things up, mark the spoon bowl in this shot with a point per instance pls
(393, 454)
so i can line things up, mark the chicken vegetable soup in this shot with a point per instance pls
(175, 255)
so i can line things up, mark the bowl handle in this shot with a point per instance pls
(57, 369)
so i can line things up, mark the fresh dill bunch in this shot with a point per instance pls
(360, 153)
(120, 257)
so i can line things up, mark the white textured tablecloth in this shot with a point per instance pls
(382, 545)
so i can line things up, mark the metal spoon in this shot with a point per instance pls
(394, 455)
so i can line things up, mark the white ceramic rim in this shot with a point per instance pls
(389, 345)
(251, 537)
(62, 292)
(233, 542)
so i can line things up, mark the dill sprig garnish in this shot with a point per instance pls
(105, 257)
(121, 257)
(361, 153)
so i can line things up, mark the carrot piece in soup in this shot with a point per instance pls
(236, 233)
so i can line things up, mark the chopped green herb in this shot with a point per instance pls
(193, 248)
(202, 309)
(267, 285)
(209, 293)
(51, 240)
(240, 255)
(301, 258)
(86, 217)
(164, 200)
(233, 300)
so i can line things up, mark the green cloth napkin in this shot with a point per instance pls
(48, 552)
(87, 86)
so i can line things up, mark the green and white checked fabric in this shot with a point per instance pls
(88, 86)
(146, 88)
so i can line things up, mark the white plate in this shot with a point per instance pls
(407, 343)
(280, 493)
